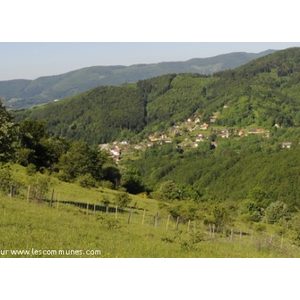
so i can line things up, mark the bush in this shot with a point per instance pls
(40, 186)
(122, 200)
(107, 184)
(5, 178)
(87, 181)
(31, 169)
(276, 212)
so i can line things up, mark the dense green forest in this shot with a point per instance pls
(255, 173)
(263, 93)
(23, 93)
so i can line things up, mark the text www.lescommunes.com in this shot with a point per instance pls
(49, 252)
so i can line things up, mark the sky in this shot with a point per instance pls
(30, 60)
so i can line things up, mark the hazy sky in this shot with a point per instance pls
(33, 60)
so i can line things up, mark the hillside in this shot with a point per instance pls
(261, 93)
(77, 224)
(28, 93)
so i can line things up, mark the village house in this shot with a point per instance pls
(241, 132)
(168, 140)
(104, 147)
(225, 133)
(255, 131)
(199, 138)
(115, 151)
(204, 126)
(138, 147)
(286, 145)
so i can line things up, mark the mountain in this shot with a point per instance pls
(28, 93)
(262, 93)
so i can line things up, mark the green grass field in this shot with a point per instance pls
(36, 229)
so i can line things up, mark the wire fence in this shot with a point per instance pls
(160, 221)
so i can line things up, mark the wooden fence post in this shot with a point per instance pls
(156, 220)
(87, 209)
(94, 209)
(129, 217)
(52, 195)
(28, 193)
(143, 218)
(168, 220)
(11, 191)
(189, 223)
(57, 201)
(177, 223)
(116, 211)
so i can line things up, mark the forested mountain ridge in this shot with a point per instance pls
(261, 93)
(28, 93)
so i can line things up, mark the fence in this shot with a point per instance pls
(161, 221)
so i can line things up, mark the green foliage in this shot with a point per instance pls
(31, 169)
(131, 180)
(81, 160)
(5, 177)
(122, 200)
(168, 191)
(187, 210)
(39, 186)
(276, 212)
(86, 181)
(7, 134)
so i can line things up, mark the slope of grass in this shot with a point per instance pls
(68, 231)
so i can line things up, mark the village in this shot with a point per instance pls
(188, 134)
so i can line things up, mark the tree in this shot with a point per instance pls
(276, 212)
(168, 191)
(131, 180)
(7, 134)
(79, 160)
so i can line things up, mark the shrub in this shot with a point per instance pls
(5, 178)
(276, 212)
(87, 181)
(122, 200)
(31, 169)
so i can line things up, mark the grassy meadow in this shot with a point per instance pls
(30, 228)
